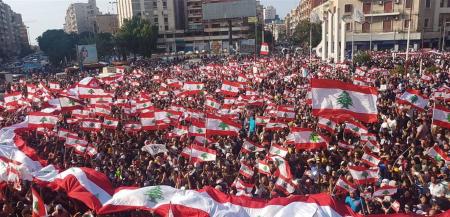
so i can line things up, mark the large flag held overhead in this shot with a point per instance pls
(413, 98)
(304, 138)
(41, 120)
(342, 185)
(216, 125)
(199, 154)
(362, 175)
(438, 154)
(337, 99)
(441, 116)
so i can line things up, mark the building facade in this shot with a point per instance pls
(181, 25)
(269, 14)
(81, 17)
(13, 33)
(106, 23)
(379, 25)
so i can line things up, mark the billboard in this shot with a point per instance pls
(87, 54)
(228, 9)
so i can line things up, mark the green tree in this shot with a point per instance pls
(57, 45)
(362, 58)
(137, 36)
(301, 33)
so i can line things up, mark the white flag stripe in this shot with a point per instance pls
(362, 103)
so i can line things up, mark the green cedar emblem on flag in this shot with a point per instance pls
(365, 174)
(43, 120)
(223, 126)
(154, 194)
(199, 130)
(108, 122)
(356, 129)
(314, 137)
(344, 100)
(413, 99)
(36, 205)
(448, 118)
(204, 156)
(385, 192)
(91, 91)
(265, 168)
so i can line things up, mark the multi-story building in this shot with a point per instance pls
(386, 24)
(81, 17)
(269, 14)
(181, 24)
(106, 23)
(291, 20)
(13, 33)
(306, 6)
(277, 28)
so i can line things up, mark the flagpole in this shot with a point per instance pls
(353, 39)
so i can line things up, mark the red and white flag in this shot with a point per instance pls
(362, 175)
(372, 146)
(38, 206)
(242, 186)
(75, 140)
(110, 123)
(304, 138)
(148, 121)
(132, 126)
(356, 128)
(68, 104)
(441, 116)
(414, 99)
(283, 168)
(385, 191)
(230, 88)
(275, 126)
(438, 154)
(211, 103)
(326, 124)
(63, 133)
(370, 159)
(246, 170)
(337, 99)
(54, 86)
(263, 167)
(342, 185)
(91, 125)
(91, 150)
(102, 110)
(285, 185)
(249, 147)
(41, 120)
(199, 154)
(264, 49)
(277, 150)
(216, 125)
(192, 88)
(261, 120)
(197, 128)
(345, 145)
(368, 137)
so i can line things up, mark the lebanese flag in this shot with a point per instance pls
(372, 146)
(438, 154)
(362, 175)
(148, 121)
(102, 110)
(54, 86)
(199, 154)
(91, 150)
(174, 83)
(190, 88)
(144, 104)
(162, 117)
(441, 116)
(63, 134)
(342, 185)
(345, 145)
(86, 92)
(337, 99)
(276, 150)
(414, 99)
(121, 101)
(307, 139)
(91, 125)
(12, 97)
(368, 136)
(326, 124)
(249, 147)
(132, 127)
(228, 102)
(197, 128)
(75, 140)
(385, 191)
(180, 130)
(216, 125)
(41, 120)
(242, 186)
(286, 186)
(283, 168)
(261, 120)
(38, 207)
(208, 201)
(230, 88)
(370, 159)
(284, 113)
(83, 184)
(110, 123)
(354, 127)
(275, 126)
(263, 167)
(68, 104)
(264, 49)
(246, 170)
(81, 114)
(211, 103)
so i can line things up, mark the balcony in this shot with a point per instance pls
(381, 13)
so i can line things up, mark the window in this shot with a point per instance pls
(426, 22)
(366, 27)
(164, 4)
(155, 20)
(428, 3)
(441, 4)
(166, 20)
(405, 24)
(348, 27)
(448, 4)
(388, 7)
(367, 7)
(166, 28)
(408, 3)
(387, 26)
(348, 8)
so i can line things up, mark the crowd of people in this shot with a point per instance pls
(403, 133)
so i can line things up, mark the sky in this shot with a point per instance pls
(41, 15)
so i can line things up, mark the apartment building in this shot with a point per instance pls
(182, 26)
(269, 14)
(81, 17)
(13, 33)
(106, 23)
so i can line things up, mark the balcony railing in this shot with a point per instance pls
(379, 13)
